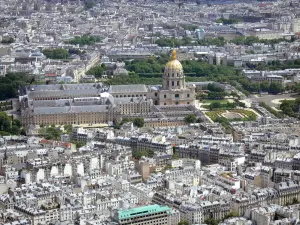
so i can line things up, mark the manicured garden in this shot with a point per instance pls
(232, 115)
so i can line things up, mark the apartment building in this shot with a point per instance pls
(152, 214)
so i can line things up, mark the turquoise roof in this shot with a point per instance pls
(141, 211)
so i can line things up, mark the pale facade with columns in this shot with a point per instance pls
(174, 90)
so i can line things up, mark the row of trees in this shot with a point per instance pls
(60, 53)
(97, 71)
(227, 105)
(215, 92)
(291, 107)
(212, 221)
(273, 87)
(8, 125)
(84, 40)
(53, 133)
(56, 53)
(140, 154)
(218, 41)
(7, 40)
(138, 122)
(250, 40)
(149, 71)
(186, 41)
(192, 119)
(10, 83)
(275, 65)
(191, 67)
(276, 113)
(89, 4)
(227, 21)
(150, 65)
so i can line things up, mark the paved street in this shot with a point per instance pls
(271, 99)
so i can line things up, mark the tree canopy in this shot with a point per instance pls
(8, 125)
(138, 122)
(7, 40)
(291, 107)
(227, 21)
(84, 40)
(50, 132)
(190, 119)
(183, 222)
(139, 154)
(250, 40)
(186, 41)
(11, 82)
(56, 53)
(97, 71)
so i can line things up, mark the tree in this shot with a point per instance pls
(138, 154)
(7, 40)
(52, 133)
(68, 128)
(56, 53)
(97, 71)
(15, 130)
(5, 122)
(227, 21)
(138, 122)
(232, 214)
(79, 144)
(17, 123)
(275, 88)
(8, 125)
(190, 119)
(84, 40)
(211, 221)
(215, 105)
(295, 201)
(241, 104)
(88, 4)
(10, 83)
(290, 107)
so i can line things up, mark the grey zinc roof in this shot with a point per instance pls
(64, 93)
(52, 87)
(127, 88)
(75, 109)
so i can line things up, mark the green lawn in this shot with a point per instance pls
(247, 115)
(222, 101)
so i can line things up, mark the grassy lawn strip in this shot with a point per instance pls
(221, 101)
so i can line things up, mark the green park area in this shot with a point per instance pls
(224, 117)
(231, 115)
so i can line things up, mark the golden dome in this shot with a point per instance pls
(173, 64)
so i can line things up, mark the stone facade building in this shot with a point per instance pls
(98, 104)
